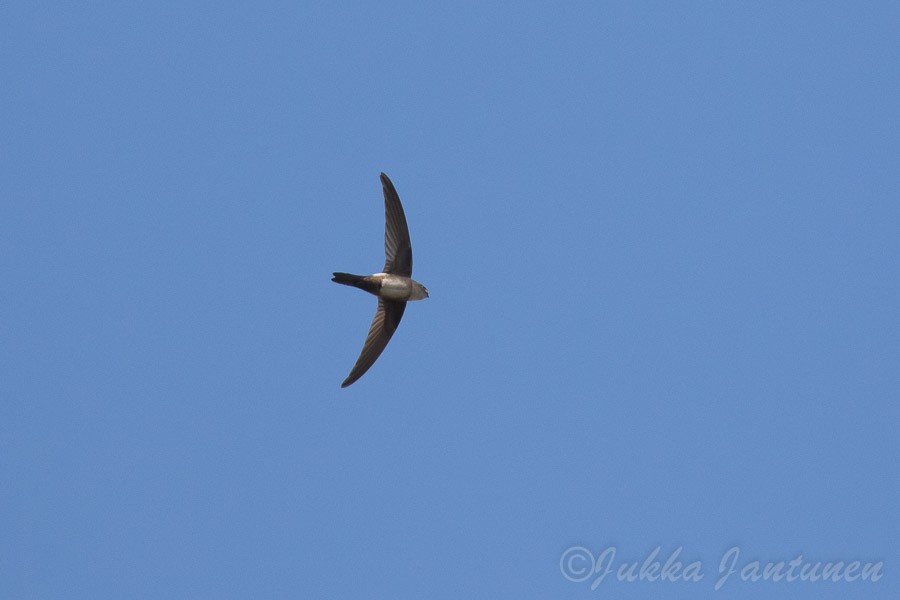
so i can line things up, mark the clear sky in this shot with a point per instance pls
(661, 241)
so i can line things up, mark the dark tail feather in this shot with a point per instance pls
(347, 279)
(359, 281)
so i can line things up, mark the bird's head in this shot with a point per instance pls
(419, 292)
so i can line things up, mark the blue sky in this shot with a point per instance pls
(662, 248)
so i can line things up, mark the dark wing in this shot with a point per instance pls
(397, 247)
(387, 317)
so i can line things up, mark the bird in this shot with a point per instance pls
(394, 285)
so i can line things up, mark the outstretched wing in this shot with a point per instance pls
(387, 317)
(397, 247)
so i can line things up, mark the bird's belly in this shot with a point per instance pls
(395, 288)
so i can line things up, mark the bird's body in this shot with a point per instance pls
(385, 285)
(394, 285)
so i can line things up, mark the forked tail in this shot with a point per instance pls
(358, 281)
(347, 279)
